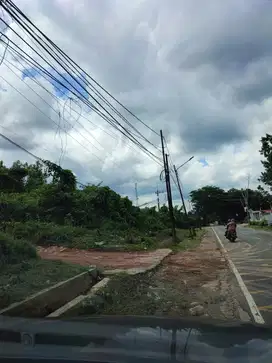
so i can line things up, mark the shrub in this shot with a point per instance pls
(263, 223)
(41, 233)
(13, 251)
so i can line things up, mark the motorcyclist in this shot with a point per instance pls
(231, 226)
(227, 226)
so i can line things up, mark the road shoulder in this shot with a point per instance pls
(246, 303)
(196, 282)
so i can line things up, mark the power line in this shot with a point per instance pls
(147, 203)
(58, 112)
(35, 64)
(33, 104)
(113, 135)
(80, 96)
(75, 64)
(29, 153)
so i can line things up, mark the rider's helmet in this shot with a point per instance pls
(232, 220)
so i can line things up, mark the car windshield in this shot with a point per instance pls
(135, 160)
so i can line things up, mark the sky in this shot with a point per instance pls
(199, 70)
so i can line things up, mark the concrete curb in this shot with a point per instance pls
(74, 305)
(256, 315)
(50, 299)
(139, 270)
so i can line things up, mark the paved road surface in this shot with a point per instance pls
(252, 256)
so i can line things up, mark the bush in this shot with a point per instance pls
(14, 251)
(253, 223)
(41, 233)
(261, 223)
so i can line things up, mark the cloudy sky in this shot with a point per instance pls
(199, 70)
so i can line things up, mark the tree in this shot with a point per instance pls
(209, 203)
(212, 203)
(266, 151)
(12, 179)
(45, 193)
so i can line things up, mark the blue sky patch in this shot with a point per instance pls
(76, 85)
(2, 89)
(204, 162)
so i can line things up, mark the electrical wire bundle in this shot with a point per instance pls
(50, 62)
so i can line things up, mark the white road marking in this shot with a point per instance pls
(251, 303)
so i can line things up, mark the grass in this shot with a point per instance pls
(50, 234)
(136, 295)
(47, 234)
(20, 280)
(124, 295)
(188, 242)
(264, 228)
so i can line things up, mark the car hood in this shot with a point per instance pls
(135, 339)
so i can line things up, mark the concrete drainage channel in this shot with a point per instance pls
(61, 299)
(66, 298)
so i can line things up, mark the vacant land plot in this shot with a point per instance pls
(196, 282)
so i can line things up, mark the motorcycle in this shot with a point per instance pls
(231, 236)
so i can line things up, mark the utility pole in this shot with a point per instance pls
(247, 194)
(182, 198)
(158, 192)
(246, 197)
(168, 190)
(180, 191)
(136, 194)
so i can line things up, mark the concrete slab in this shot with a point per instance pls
(72, 306)
(50, 299)
(137, 270)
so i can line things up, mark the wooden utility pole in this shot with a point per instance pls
(168, 190)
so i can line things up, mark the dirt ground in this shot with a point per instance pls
(113, 260)
(197, 282)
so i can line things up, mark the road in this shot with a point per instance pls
(252, 256)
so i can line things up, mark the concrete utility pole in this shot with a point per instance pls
(136, 194)
(182, 198)
(158, 192)
(180, 191)
(168, 190)
(246, 197)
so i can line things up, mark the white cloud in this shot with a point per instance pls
(162, 60)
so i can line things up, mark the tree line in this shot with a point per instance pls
(212, 203)
(44, 203)
(43, 196)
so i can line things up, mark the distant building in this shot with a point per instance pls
(259, 215)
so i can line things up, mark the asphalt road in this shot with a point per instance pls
(252, 256)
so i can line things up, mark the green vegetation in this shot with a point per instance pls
(262, 224)
(41, 203)
(22, 279)
(22, 273)
(212, 203)
(188, 242)
(157, 292)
